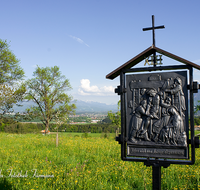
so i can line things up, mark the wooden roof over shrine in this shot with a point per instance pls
(143, 55)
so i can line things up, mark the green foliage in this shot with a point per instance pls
(9, 65)
(17, 127)
(105, 135)
(7, 119)
(106, 120)
(115, 117)
(11, 74)
(80, 119)
(197, 107)
(93, 128)
(48, 90)
(10, 96)
(197, 120)
(85, 135)
(21, 128)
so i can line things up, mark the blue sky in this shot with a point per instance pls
(88, 39)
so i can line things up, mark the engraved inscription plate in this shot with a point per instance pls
(157, 152)
(157, 115)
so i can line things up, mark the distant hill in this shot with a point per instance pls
(94, 107)
(82, 106)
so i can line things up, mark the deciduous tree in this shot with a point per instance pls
(115, 117)
(11, 75)
(10, 71)
(10, 95)
(48, 89)
(197, 107)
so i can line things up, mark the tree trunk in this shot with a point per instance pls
(47, 127)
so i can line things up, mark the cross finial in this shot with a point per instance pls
(153, 29)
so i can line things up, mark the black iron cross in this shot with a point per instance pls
(153, 29)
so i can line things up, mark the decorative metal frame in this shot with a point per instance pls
(123, 138)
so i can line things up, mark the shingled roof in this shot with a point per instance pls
(143, 55)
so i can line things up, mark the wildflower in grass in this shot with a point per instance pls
(101, 166)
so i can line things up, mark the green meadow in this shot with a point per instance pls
(32, 161)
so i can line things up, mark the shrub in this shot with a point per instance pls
(85, 135)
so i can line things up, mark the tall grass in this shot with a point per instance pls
(80, 163)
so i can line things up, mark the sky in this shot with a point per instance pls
(88, 39)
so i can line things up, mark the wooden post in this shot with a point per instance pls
(57, 139)
(117, 132)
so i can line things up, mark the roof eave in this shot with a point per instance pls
(132, 62)
(149, 51)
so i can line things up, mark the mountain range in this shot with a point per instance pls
(88, 106)
(82, 106)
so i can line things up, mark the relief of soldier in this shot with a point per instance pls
(160, 117)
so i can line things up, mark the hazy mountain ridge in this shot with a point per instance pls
(82, 106)
(89, 106)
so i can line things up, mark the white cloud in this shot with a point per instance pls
(78, 40)
(107, 89)
(85, 85)
(87, 89)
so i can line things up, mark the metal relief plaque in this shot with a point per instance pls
(157, 115)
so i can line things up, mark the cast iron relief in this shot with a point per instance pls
(157, 115)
